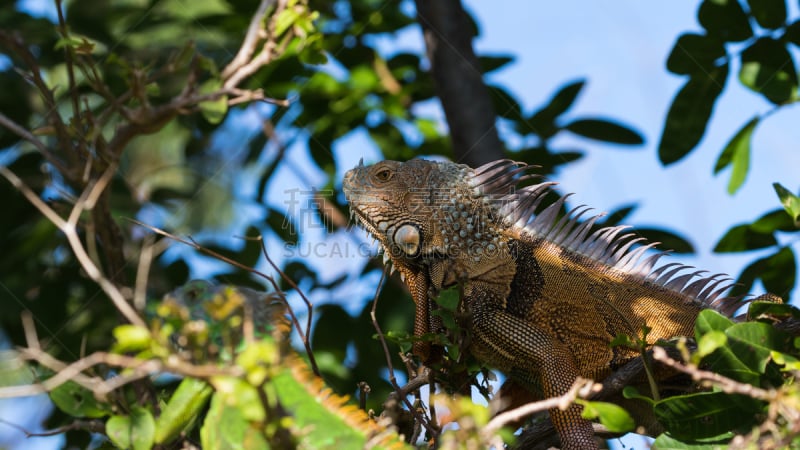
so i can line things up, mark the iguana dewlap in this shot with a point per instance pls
(545, 295)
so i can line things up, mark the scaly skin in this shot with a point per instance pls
(544, 297)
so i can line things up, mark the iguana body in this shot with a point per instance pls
(545, 296)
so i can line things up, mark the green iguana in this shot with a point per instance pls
(544, 295)
(295, 409)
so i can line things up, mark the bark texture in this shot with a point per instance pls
(459, 83)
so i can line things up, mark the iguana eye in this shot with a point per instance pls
(383, 175)
(407, 239)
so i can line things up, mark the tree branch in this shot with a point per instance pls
(459, 84)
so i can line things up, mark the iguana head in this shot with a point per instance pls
(425, 213)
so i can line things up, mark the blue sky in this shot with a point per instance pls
(621, 48)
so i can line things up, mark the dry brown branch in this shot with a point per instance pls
(135, 369)
(69, 229)
(582, 388)
(710, 378)
(250, 41)
(244, 64)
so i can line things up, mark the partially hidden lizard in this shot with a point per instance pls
(544, 294)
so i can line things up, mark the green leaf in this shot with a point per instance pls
(776, 220)
(768, 13)
(491, 63)
(135, 431)
(790, 202)
(505, 104)
(213, 110)
(182, 409)
(605, 130)
(725, 19)
(737, 152)
(131, 338)
(688, 116)
(242, 395)
(631, 392)
(200, 9)
(792, 33)
(226, 428)
(779, 271)
(772, 311)
(77, 401)
(667, 442)
(668, 240)
(706, 414)
(742, 238)
(612, 416)
(542, 122)
(768, 68)
(709, 320)
(695, 54)
(753, 342)
(709, 342)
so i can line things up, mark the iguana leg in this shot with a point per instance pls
(418, 285)
(535, 359)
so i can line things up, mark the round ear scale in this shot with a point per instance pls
(407, 239)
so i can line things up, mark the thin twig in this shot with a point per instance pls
(190, 242)
(309, 305)
(250, 41)
(70, 231)
(581, 388)
(399, 391)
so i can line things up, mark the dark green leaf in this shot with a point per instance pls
(742, 238)
(617, 216)
(695, 54)
(768, 68)
(768, 13)
(547, 159)
(792, 33)
(779, 272)
(707, 414)
(505, 104)
(542, 122)
(669, 240)
(772, 221)
(492, 63)
(688, 116)
(790, 202)
(328, 336)
(725, 19)
(563, 99)
(605, 130)
(737, 152)
(282, 224)
(753, 342)
(772, 311)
